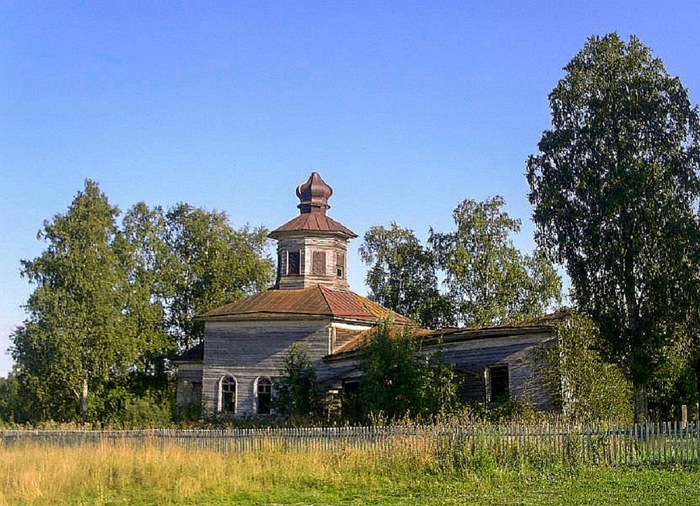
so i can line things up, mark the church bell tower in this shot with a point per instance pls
(312, 248)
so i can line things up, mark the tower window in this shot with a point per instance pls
(293, 263)
(318, 266)
(340, 264)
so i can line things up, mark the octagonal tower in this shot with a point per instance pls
(312, 248)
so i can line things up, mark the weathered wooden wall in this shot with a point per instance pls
(522, 355)
(189, 385)
(250, 350)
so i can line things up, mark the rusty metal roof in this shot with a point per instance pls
(313, 222)
(317, 300)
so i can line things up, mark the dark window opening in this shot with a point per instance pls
(264, 396)
(228, 395)
(293, 263)
(498, 383)
(351, 387)
(318, 266)
(350, 399)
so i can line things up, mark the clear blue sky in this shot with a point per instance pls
(405, 108)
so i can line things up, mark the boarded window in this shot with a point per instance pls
(228, 395)
(340, 264)
(318, 266)
(293, 263)
(497, 376)
(264, 396)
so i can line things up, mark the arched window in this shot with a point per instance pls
(264, 396)
(228, 395)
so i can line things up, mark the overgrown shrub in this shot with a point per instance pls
(398, 381)
(588, 388)
(298, 398)
(145, 412)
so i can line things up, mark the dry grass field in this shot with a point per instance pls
(34, 474)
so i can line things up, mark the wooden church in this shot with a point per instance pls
(232, 372)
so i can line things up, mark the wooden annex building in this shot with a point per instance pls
(232, 372)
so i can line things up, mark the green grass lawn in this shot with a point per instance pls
(590, 486)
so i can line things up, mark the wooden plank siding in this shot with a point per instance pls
(520, 353)
(248, 350)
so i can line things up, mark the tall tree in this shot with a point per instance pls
(402, 276)
(74, 340)
(489, 280)
(614, 188)
(111, 304)
(144, 252)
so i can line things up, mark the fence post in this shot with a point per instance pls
(684, 417)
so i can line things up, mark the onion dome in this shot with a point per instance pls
(313, 195)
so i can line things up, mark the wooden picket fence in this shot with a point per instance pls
(602, 444)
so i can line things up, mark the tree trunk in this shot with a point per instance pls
(641, 409)
(84, 401)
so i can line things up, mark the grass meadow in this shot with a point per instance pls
(38, 474)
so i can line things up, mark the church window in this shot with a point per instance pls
(293, 261)
(264, 396)
(318, 267)
(228, 395)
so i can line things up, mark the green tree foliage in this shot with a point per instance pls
(145, 254)
(74, 339)
(11, 407)
(209, 264)
(297, 394)
(402, 276)
(111, 303)
(489, 280)
(614, 188)
(398, 381)
(674, 382)
(590, 388)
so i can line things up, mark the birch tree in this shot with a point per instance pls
(614, 188)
